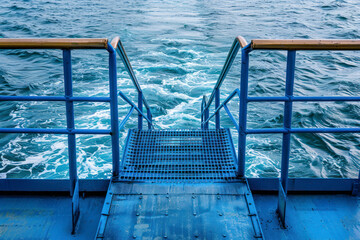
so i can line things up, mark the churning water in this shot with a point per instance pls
(177, 49)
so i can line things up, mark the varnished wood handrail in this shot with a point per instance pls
(242, 41)
(306, 44)
(54, 43)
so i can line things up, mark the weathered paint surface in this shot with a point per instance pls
(311, 216)
(47, 217)
(180, 211)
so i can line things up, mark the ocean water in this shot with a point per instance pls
(177, 49)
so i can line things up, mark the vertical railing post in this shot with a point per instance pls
(289, 90)
(114, 113)
(202, 115)
(149, 116)
(217, 104)
(140, 106)
(206, 125)
(243, 111)
(70, 119)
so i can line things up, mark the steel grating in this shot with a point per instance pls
(179, 156)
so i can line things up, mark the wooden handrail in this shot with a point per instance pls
(114, 43)
(54, 43)
(242, 41)
(297, 44)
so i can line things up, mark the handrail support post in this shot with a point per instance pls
(285, 156)
(140, 106)
(243, 111)
(149, 116)
(114, 114)
(70, 122)
(217, 104)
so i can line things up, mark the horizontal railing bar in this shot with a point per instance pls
(54, 98)
(54, 131)
(303, 99)
(267, 99)
(305, 44)
(302, 130)
(134, 106)
(54, 43)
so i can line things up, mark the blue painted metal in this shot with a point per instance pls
(140, 107)
(303, 99)
(217, 104)
(75, 208)
(70, 119)
(356, 186)
(179, 156)
(105, 212)
(281, 208)
(74, 186)
(141, 99)
(71, 131)
(311, 216)
(243, 111)
(54, 131)
(253, 213)
(302, 130)
(232, 118)
(149, 116)
(289, 90)
(54, 98)
(47, 216)
(234, 93)
(180, 211)
(204, 113)
(114, 115)
(228, 63)
(288, 99)
(341, 185)
(122, 124)
(126, 99)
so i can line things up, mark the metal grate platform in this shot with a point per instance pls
(179, 156)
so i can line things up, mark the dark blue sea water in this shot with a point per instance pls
(177, 49)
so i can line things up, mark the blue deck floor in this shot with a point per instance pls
(47, 216)
(318, 216)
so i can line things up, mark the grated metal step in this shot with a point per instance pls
(179, 156)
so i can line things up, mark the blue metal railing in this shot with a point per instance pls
(116, 43)
(67, 45)
(291, 46)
